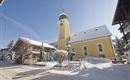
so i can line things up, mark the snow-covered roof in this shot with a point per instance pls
(35, 52)
(93, 33)
(38, 43)
(63, 13)
(55, 44)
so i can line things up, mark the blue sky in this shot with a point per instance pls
(38, 19)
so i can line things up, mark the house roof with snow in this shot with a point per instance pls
(93, 33)
(37, 43)
(55, 44)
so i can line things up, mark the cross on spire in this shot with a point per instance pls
(62, 10)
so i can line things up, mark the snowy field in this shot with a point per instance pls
(90, 69)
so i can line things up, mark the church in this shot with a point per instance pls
(94, 42)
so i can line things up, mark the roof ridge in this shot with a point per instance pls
(35, 42)
(30, 39)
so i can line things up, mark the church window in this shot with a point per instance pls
(101, 50)
(100, 47)
(96, 29)
(75, 34)
(85, 50)
(84, 32)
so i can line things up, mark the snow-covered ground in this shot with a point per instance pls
(90, 69)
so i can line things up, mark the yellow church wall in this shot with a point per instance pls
(67, 31)
(92, 47)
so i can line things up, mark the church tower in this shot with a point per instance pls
(63, 31)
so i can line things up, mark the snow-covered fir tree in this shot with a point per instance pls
(119, 45)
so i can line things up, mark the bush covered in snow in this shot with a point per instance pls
(60, 55)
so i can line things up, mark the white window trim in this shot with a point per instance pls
(83, 49)
(102, 48)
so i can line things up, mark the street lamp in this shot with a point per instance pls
(41, 52)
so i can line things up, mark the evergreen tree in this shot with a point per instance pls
(10, 52)
(119, 46)
(10, 45)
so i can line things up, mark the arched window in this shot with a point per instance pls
(101, 50)
(85, 50)
(100, 47)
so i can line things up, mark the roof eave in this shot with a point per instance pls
(113, 23)
(89, 39)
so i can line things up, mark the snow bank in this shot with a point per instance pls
(96, 60)
(46, 65)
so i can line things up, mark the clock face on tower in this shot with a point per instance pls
(61, 24)
(62, 30)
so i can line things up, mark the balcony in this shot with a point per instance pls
(37, 50)
(127, 27)
(127, 36)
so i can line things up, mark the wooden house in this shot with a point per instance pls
(29, 51)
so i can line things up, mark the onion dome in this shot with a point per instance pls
(63, 16)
